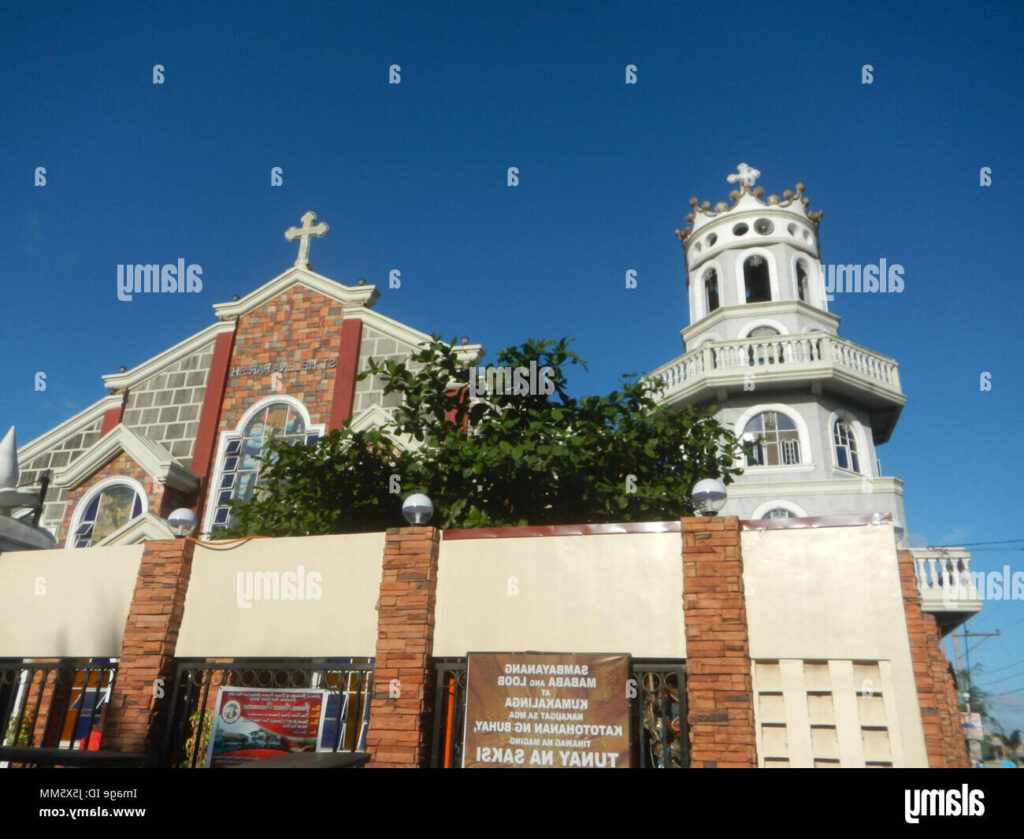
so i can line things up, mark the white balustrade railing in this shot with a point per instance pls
(945, 576)
(810, 350)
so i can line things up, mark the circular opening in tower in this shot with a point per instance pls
(763, 226)
(792, 229)
(740, 229)
(712, 238)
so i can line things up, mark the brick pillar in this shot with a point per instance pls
(399, 734)
(134, 719)
(936, 695)
(719, 693)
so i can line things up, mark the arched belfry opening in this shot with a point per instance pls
(756, 280)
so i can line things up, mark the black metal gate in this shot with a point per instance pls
(658, 711)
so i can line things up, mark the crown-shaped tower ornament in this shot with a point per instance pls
(747, 197)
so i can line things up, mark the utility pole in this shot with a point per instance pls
(973, 747)
(967, 655)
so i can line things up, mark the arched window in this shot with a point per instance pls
(756, 280)
(779, 513)
(777, 440)
(108, 507)
(711, 289)
(763, 332)
(240, 466)
(801, 280)
(846, 445)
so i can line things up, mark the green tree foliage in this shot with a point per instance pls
(503, 459)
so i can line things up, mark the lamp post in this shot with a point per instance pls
(708, 496)
(182, 521)
(418, 509)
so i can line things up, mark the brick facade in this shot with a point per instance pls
(134, 719)
(400, 725)
(940, 711)
(298, 325)
(719, 690)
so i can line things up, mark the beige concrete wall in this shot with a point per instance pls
(341, 621)
(833, 595)
(607, 593)
(66, 603)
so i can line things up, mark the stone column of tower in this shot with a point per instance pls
(763, 347)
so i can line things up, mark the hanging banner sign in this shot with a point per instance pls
(561, 710)
(253, 724)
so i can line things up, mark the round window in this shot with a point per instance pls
(763, 226)
(712, 238)
(740, 229)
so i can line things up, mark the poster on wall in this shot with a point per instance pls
(254, 724)
(553, 710)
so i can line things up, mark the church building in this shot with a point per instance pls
(185, 428)
(794, 629)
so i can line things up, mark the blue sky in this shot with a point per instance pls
(413, 176)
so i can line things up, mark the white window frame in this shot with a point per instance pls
(212, 490)
(698, 299)
(859, 437)
(83, 505)
(803, 435)
(768, 506)
(756, 324)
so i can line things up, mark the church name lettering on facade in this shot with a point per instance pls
(285, 367)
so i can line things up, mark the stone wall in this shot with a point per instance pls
(65, 452)
(165, 408)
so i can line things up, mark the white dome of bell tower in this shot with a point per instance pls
(754, 264)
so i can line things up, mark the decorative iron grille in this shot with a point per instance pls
(348, 681)
(54, 705)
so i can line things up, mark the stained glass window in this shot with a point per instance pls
(241, 466)
(105, 512)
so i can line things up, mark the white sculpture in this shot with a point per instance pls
(16, 534)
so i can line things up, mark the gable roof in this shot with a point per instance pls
(72, 425)
(129, 378)
(348, 296)
(151, 456)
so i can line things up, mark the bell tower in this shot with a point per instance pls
(748, 265)
(762, 347)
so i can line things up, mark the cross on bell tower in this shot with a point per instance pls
(303, 234)
(746, 175)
